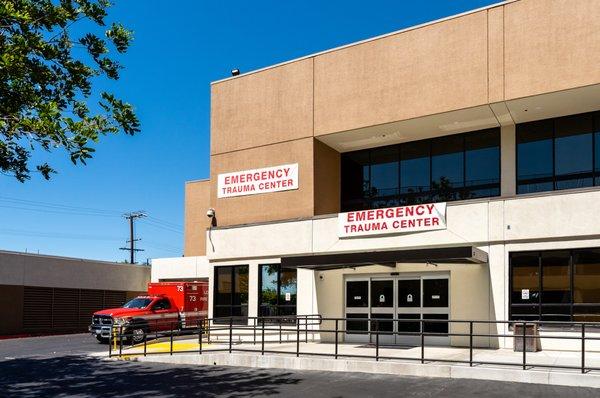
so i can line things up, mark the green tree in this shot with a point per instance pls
(46, 81)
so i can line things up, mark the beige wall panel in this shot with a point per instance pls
(551, 45)
(496, 54)
(327, 179)
(433, 69)
(269, 206)
(262, 108)
(197, 202)
(50, 271)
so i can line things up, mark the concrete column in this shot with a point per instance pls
(498, 291)
(508, 153)
(306, 297)
(253, 291)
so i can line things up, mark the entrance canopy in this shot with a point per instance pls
(461, 254)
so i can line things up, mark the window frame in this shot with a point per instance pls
(593, 174)
(540, 304)
(237, 320)
(279, 305)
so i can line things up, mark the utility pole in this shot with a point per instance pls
(132, 249)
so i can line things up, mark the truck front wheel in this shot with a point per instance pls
(137, 334)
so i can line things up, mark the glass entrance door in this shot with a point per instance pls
(423, 298)
(408, 311)
(398, 304)
(382, 310)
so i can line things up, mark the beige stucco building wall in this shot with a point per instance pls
(197, 202)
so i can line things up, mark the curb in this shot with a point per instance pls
(454, 371)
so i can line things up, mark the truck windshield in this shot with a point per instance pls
(138, 302)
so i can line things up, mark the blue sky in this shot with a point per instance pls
(179, 48)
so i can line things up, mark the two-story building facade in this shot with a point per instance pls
(446, 171)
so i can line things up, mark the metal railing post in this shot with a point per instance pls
(524, 345)
(336, 338)
(583, 348)
(145, 344)
(254, 332)
(120, 340)
(200, 332)
(262, 340)
(306, 328)
(377, 340)
(471, 343)
(230, 333)
(110, 341)
(297, 337)
(422, 342)
(171, 340)
(279, 331)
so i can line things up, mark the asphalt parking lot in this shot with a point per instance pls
(58, 366)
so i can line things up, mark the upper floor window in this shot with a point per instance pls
(560, 153)
(454, 167)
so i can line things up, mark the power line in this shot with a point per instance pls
(56, 235)
(159, 226)
(56, 206)
(166, 223)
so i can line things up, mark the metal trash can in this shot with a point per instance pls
(532, 341)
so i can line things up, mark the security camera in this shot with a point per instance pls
(210, 213)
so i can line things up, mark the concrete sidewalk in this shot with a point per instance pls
(405, 361)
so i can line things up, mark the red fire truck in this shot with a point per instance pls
(167, 306)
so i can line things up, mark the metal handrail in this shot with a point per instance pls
(259, 325)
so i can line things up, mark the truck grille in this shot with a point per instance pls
(102, 320)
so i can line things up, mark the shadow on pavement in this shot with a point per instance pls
(83, 376)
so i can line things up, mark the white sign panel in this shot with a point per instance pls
(392, 220)
(252, 182)
(524, 294)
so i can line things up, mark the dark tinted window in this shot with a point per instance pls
(384, 177)
(560, 153)
(573, 146)
(555, 285)
(354, 324)
(414, 171)
(435, 292)
(586, 276)
(223, 285)
(525, 276)
(534, 156)
(355, 180)
(482, 164)
(409, 293)
(556, 278)
(231, 292)
(357, 294)
(448, 168)
(597, 148)
(382, 293)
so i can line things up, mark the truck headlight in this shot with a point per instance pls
(121, 321)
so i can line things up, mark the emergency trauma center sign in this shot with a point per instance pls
(252, 182)
(392, 220)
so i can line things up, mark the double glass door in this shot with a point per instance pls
(398, 304)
